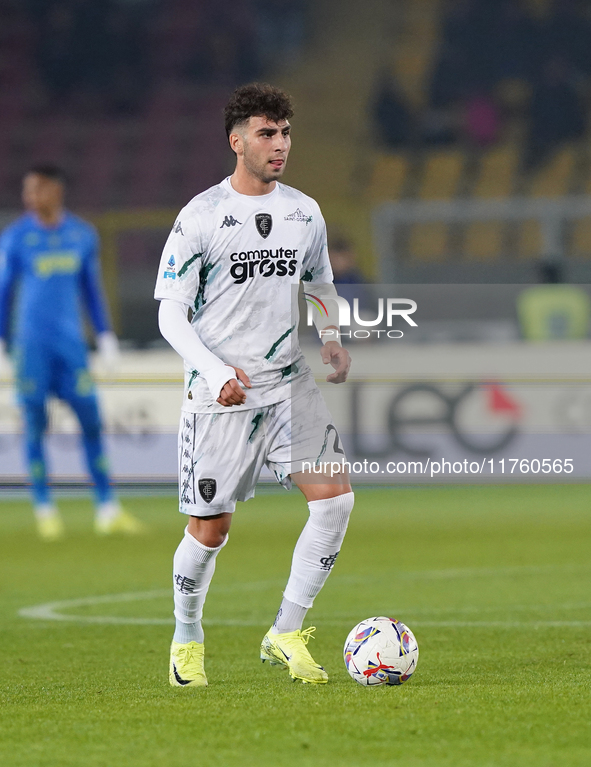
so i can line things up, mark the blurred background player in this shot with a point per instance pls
(49, 257)
(347, 274)
(553, 311)
(349, 277)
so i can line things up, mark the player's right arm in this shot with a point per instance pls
(221, 378)
(9, 267)
(176, 288)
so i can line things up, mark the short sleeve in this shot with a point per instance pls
(316, 264)
(181, 261)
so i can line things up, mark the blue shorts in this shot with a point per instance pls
(49, 368)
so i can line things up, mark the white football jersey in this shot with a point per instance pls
(237, 261)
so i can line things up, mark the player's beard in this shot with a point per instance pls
(260, 170)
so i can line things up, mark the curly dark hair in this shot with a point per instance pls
(256, 100)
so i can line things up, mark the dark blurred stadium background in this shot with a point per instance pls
(446, 101)
(447, 142)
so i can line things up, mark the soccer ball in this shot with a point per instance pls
(381, 651)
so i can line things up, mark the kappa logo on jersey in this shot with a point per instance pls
(230, 221)
(207, 489)
(247, 263)
(177, 228)
(264, 224)
(297, 215)
(171, 269)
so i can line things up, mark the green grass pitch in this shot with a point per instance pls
(494, 582)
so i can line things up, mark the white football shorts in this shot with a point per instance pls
(221, 455)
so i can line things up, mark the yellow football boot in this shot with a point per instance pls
(121, 523)
(186, 665)
(289, 651)
(50, 527)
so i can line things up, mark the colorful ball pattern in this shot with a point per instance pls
(381, 651)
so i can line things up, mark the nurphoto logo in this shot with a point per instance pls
(387, 309)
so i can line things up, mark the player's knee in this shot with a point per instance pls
(35, 419)
(332, 514)
(91, 431)
(88, 415)
(210, 531)
(213, 539)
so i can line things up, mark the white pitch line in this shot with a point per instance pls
(50, 610)
(53, 611)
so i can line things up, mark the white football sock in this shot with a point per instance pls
(289, 618)
(188, 632)
(314, 555)
(44, 510)
(194, 565)
(107, 510)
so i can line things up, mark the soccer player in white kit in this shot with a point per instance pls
(226, 284)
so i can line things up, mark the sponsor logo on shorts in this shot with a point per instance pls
(207, 489)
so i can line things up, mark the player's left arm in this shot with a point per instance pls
(332, 352)
(326, 321)
(92, 287)
(96, 303)
(320, 291)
